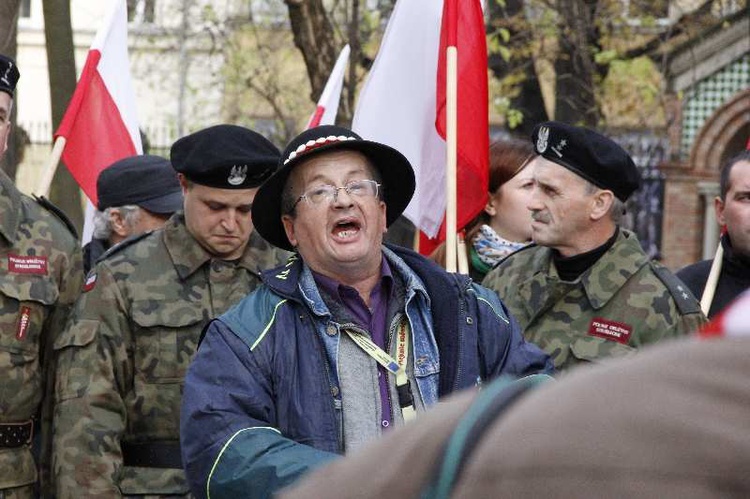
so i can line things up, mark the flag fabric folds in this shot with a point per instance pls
(328, 104)
(403, 105)
(100, 125)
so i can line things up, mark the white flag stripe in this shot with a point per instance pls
(112, 42)
(397, 104)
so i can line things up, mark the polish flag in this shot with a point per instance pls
(733, 321)
(403, 104)
(100, 125)
(328, 104)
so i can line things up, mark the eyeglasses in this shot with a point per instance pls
(328, 193)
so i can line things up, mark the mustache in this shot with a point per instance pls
(539, 216)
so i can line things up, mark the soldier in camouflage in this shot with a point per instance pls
(137, 324)
(586, 289)
(40, 278)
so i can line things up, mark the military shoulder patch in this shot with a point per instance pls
(47, 205)
(686, 302)
(122, 245)
(90, 282)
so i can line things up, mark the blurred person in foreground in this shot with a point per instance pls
(40, 278)
(504, 225)
(122, 359)
(671, 422)
(134, 195)
(348, 339)
(732, 208)
(586, 290)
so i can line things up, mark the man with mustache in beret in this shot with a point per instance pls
(123, 357)
(586, 289)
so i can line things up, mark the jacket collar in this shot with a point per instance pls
(188, 255)
(10, 208)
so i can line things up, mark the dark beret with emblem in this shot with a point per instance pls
(225, 157)
(144, 180)
(395, 170)
(588, 154)
(9, 75)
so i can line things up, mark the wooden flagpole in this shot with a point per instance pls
(713, 279)
(451, 136)
(45, 183)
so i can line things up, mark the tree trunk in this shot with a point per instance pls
(575, 67)
(65, 192)
(529, 100)
(313, 36)
(9, 10)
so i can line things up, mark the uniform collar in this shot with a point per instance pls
(188, 255)
(10, 208)
(603, 279)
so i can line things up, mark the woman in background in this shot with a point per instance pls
(505, 224)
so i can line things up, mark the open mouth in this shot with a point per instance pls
(346, 228)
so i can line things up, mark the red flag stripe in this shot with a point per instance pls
(93, 127)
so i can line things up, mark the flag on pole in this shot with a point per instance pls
(100, 125)
(403, 105)
(328, 104)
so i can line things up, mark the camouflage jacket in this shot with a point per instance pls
(40, 278)
(123, 356)
(622, 302)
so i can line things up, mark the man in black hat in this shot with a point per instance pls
(40, 279)
(347, 339)
(134, 195)
(122, 359)
(586, 289)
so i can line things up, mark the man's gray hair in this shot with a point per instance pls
(103, 223)
(616, 211)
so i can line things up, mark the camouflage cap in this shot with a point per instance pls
(588, 154)
(9, 75)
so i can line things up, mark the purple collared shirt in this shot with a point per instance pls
(372, 319)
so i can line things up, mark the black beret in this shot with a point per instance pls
(588, 154)
(146, 181)
(226, 157)
(9, 75)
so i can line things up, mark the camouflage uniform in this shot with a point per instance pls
(622, 302)
(40, 278)
(123, 357)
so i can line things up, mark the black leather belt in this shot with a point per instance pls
(152, 454)
(16, 434)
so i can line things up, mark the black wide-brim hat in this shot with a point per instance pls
(396, 173)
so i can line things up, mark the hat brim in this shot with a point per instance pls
(395, 171)
(164, 205)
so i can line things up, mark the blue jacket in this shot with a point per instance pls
(262, 403)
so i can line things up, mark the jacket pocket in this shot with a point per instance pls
(25, 303)
(593, 349)
(70, 381)
(165, 340)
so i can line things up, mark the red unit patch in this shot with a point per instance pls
(18, 264)
(610, 330)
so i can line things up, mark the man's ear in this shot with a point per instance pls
(288, 222)
(719, 210)
(117, 222)
(601, 204)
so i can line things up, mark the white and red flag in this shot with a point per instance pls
(100, 125)
(403, 104)
(328, 104)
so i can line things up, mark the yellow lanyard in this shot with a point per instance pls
(397, 367)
